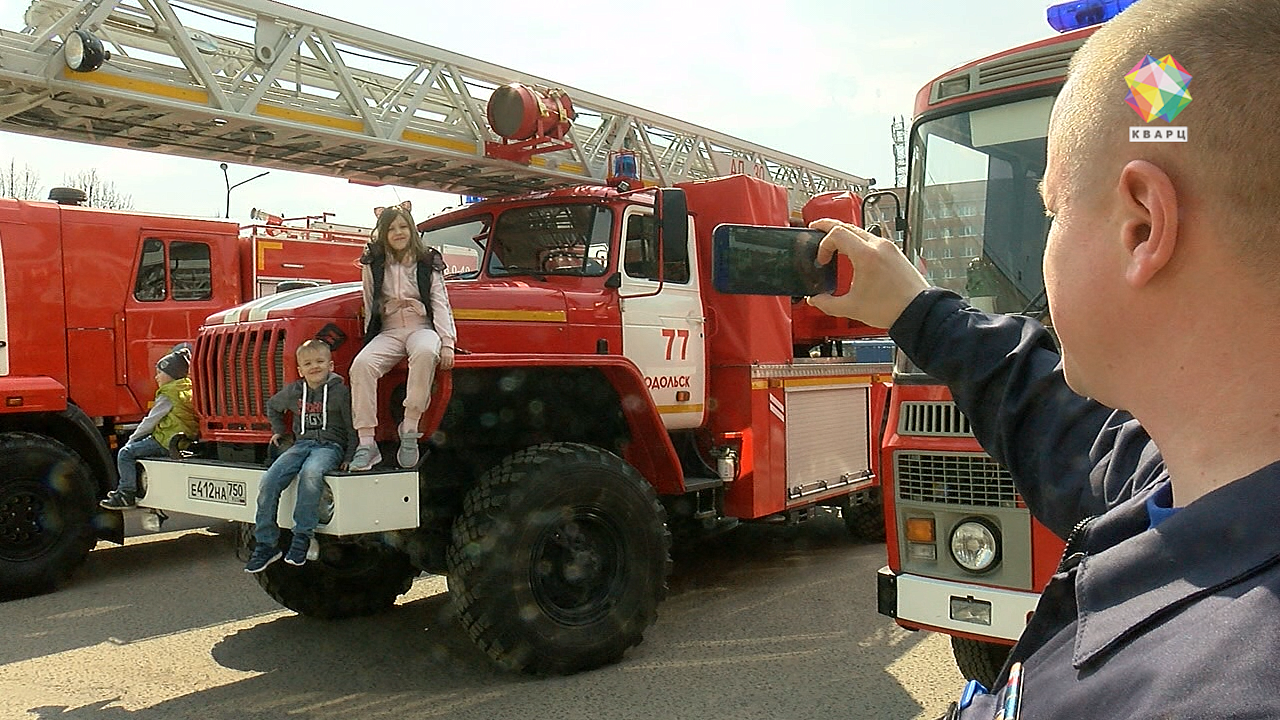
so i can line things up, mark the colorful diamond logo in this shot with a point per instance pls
(1158, 88)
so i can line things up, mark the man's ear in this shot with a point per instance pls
(1150, 220)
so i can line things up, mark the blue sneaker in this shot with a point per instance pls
(297, 554)
(119, 500)
(263, 555)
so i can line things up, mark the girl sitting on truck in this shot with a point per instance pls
(406, 314)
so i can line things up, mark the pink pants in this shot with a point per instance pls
(421, 345)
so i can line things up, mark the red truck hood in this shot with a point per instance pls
(479, 307)
(336, 300)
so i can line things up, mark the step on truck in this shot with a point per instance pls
(605, 399)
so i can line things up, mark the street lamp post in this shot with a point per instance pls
(231, 187)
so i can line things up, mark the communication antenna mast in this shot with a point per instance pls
(897, 130)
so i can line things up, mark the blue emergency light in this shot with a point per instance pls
(1068, 16)
(624, 166)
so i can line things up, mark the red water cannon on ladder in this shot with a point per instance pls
(530, 121)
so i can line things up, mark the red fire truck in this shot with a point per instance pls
(91, 299)
(596, 409)
(965, 557)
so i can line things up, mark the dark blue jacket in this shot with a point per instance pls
(1177, 621)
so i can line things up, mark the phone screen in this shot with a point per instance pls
(762, 260)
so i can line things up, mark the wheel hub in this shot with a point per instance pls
(24, 524)
(578, 568)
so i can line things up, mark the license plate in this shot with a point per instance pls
(227, 492)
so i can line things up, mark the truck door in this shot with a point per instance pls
(175, 288)
(4, 320)
(663, 323)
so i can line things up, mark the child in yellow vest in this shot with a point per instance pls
(171, 414)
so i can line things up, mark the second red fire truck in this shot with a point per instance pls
(965, 557)
(90, 299)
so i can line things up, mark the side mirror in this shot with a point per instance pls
(671, 211)
(899, 220)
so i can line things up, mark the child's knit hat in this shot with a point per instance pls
(177, 363)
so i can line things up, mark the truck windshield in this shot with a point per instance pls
(551, 240)
(978, 224)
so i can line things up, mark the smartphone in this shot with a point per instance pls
(764, 260)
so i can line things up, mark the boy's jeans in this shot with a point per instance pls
(127, 465)
(308, 460)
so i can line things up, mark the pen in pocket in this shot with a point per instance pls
(1011, 709)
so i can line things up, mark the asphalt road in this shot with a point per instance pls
(764, 622)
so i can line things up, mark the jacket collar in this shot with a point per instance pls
(1133, 574)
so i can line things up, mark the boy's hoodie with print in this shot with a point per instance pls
(322, 414)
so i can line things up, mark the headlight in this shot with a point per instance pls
(975, 545)
(83, 52)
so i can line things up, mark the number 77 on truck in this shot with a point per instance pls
(965, 557)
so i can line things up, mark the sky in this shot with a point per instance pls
(818, 79)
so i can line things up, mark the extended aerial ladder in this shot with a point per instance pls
(280, 87)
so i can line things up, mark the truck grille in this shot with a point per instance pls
(938, 419)
(238, 369)
(953, 479)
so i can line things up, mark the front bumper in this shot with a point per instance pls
(965, 608)
(361, 502)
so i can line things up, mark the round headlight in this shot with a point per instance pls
(83, 52)
(975, 545)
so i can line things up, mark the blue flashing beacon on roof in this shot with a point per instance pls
(1068, 16)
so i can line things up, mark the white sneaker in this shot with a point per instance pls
(408, 453)
(365, 458)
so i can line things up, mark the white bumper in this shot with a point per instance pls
(362, 502)
(929, 602)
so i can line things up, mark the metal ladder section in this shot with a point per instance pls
(275, 86)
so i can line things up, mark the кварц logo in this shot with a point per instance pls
(1158, 89)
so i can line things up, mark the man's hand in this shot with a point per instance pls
(275, 439)
(884, 281)
(446, 358)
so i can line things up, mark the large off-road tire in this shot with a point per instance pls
(47, 503)
(348, 580)
(559, 559)
(977, 660)
(865, 521)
